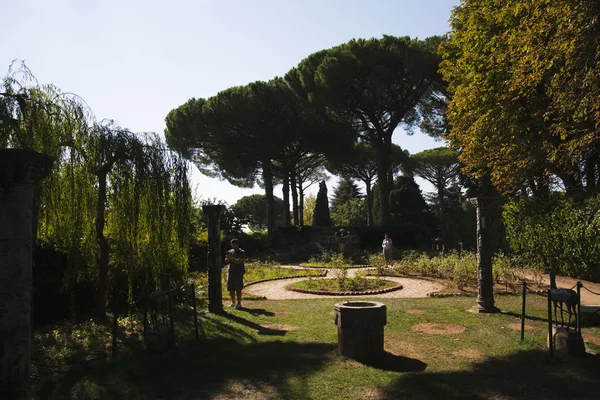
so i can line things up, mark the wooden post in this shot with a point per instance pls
(20, 172)
(215, 263)
(115, 323)
(523, 311)
(195, 312)
(550, 339)
(578, 327)
(171, 320)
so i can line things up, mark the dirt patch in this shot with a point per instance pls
(517, 327)
(281, 327)
(373, 394)
(437, 328)
(470, 354)
(415, 311)
(591, 339)
(282, 313)
(245, 390)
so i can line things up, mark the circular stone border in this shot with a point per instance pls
(320, 275)
(330, 267)
(361, 293)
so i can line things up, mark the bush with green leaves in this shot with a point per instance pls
(558, 233)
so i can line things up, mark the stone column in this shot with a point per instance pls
(20, 171)
(485, 279)
(215, 262)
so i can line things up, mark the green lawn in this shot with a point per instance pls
(288, 350)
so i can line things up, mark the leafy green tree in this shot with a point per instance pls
(372, 85)
(244, 130)
(351, 213)
(524, 80)
(252, 210)
(322, 217)
(441, 168)
(310, 203)
(361, 163)
(122, 200)
(556, 232)
(407, 203)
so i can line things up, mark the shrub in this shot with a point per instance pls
(559, 233)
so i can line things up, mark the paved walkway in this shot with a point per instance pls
(412, 287)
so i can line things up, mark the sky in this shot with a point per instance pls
(134, 61)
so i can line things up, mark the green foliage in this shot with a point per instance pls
(252, 210)
(355, 284)
(407, 204)
(310, 203)
(405, 236)
(148, 206)
(524, 81)
(345, 190)
(349, 214)
(561, 234)
(371, 85)
(321, 216)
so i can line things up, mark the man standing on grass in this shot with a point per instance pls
(235, 277)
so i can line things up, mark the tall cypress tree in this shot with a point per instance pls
(321, 216)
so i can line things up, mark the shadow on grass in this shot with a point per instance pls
(524, 375)
(261, 330)
(527, 317)
(216, 365)
(257, 311)
(395, 363)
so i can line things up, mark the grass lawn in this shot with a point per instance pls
(254, 272)
(288, 350)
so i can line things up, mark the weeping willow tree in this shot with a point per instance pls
(120, 202)
(115, 201)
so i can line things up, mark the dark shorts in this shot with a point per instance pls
(235, 279)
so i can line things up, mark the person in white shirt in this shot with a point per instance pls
(387, 250)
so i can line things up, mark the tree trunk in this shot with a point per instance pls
(485, 297)
(369, 203)
(268, 181)
(442, 213)
(286, 198)
(215, 265)
(383, 166)
(301, 204)
(590, 173)
(102, 283)
(20, 171)
(294, 187)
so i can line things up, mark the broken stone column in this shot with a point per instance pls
(485, 279)
(20, 172)
(215, 262)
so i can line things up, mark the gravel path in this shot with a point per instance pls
(414, 288)
(275, 290)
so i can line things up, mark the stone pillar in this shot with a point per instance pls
(215, 262)
(485, 279)
(20, 171)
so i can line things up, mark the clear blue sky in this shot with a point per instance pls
(133, 61)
